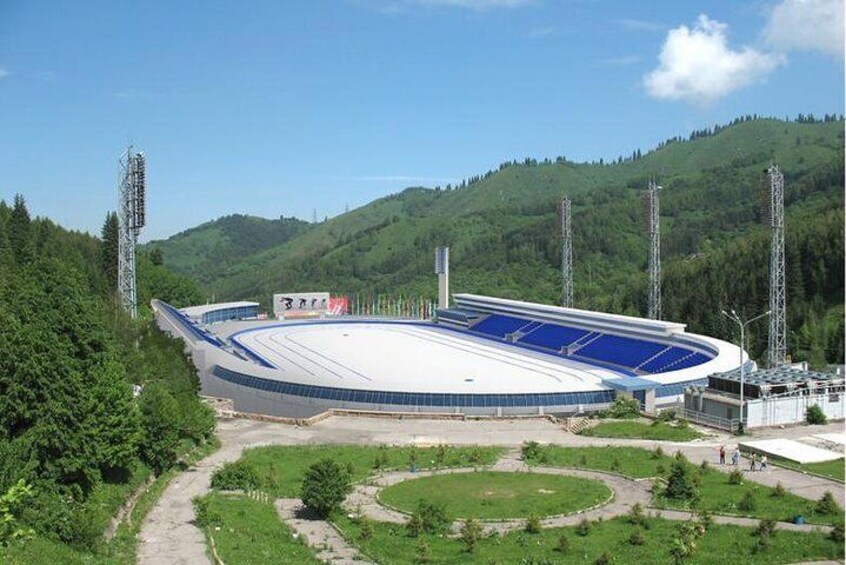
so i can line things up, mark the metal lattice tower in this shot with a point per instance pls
(132, 217)
(566, 255)
(654, 230)
(777, 344)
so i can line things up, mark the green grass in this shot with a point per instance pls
(832, 469)
(716, 495)
(390, 545)
(640, 430)
(250, 532)
(490, 495)
(281, 468)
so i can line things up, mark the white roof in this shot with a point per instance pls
(198, 311)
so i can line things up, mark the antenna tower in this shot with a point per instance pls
(654, 230)
(777, 344)
(132, 185)
(566, 254)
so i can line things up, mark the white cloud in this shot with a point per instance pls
(4, 73)
(807, 25)
(698, 66)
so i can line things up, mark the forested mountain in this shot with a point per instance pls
(75, 436)
(206, 251)
(502, 230)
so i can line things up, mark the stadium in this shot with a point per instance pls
(483, 356)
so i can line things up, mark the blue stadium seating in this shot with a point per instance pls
(685, 362)
(624, 351)
(552, 336)
(499, 326)
(671, 355)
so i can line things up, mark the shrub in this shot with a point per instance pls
(531, 451)
(430, 518)
(748, 502)
(815, 415)
(623, 407)
(11, 503)
(680, 483)
(666, 415)
(704, 465)
(583, 528)
(325, 485)
(381, 460)
(636, 515)
(413, 456)
(827, 505)
(837, 533)
(235, 476)
(657, 453)
(615, 464)
(779, 491)
(765, 533)
(422, 553)
(563, 545)
(365, 531)
(533, 525)
(735, 477)
(471, 534)
(637, 538)
(605, 559)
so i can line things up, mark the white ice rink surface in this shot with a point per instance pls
(414, 358)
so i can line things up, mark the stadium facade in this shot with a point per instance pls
(484, 356)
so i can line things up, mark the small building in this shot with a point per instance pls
(222, 312)
(771, 397)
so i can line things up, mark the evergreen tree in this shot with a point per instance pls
(109, 249)
(19, 228)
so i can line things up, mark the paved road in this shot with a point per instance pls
(168, 535)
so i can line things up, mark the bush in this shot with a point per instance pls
(605, 559)
(365, 531)
(735, 477)
(838, 533)
(636, 515)
(779, 491)
(429, 518)
(666, 415)
(680, 483)
(765, 533)
(381, 460)
(748, 502)
(623, 407)
(471, 534)
(235, 476)
(815, 415)
(422, 553)
(531, 451)
(637, 538)
(827, 505)
(533, 525)
(563, 545)
(325, 485)
(583, 528)
(657, 453)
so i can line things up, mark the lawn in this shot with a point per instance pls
(250, 532)
(642, 430)
(281, 468)
(391, 545)
(716, 494)
(831, 469)
(490, 495)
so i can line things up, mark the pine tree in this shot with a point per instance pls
(109, 249)
(19, 237)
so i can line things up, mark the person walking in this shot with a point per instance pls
(735, 457)
(752, 461)
(764, 462)
(722, 455)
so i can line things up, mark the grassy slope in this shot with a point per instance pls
(640, 430)
(390, 545)
(711, 196)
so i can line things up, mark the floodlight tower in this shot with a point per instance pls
(654, 230)
(566, 255)
(442, 270)
(777, 343)
(132, 186)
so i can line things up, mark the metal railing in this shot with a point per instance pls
(709, 420)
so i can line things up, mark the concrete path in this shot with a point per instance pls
(168, 535)
(320, 534)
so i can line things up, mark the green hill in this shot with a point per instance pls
(501, 228)
(206, 251)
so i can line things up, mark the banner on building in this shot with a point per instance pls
(300, 304)
(338, 306)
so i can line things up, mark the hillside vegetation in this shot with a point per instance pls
(502, 230)
(91, 402)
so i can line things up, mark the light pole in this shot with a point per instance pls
(734, 317)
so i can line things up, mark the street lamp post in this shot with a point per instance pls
(734, 317)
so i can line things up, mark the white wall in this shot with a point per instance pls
(791, 409)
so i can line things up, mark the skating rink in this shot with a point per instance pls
(396, 356)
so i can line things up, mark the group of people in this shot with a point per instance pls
(756, 462)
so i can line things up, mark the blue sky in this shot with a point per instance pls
(283, 107)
